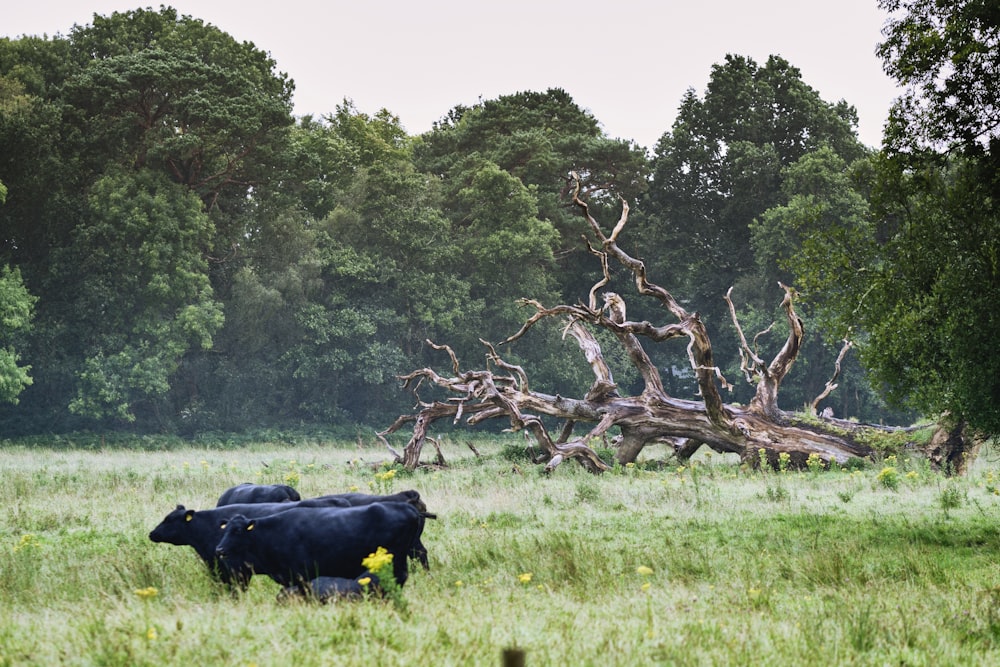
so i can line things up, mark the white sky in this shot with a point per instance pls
(628, 62)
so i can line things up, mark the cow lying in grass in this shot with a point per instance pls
(325, 589)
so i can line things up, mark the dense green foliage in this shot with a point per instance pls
(901, 250)
(192, 258)
(885, 565)
(16, 306)
(946, 56)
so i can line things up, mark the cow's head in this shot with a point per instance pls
(236, 536)
(172, 526)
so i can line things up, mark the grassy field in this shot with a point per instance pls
(698, 565)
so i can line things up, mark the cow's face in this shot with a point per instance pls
(172, 528)
(237, 534)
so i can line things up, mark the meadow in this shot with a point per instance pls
(652, 564)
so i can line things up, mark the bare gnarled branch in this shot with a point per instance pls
(700, 349)
(830, 384)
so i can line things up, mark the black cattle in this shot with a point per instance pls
(411, 496)
(324, 589)
(258, 493)
(203, 530)
(303, 543)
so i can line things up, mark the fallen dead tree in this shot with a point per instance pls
(758, 431)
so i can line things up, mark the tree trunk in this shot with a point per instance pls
(952, 448)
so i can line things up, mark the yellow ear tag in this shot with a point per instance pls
(188, 517)
(250, 527)
(222, 526)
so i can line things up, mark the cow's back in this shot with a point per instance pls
(258, 493)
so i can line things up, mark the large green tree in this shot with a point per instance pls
(719, 166)
(502, 165)
(142, 294)
(134, 147)
(172, 93)
(348, 266)
(538, 138)
(15, 317)
(915, 271)
(932, 320)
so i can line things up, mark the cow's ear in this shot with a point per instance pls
(251, 525)
(189, 515)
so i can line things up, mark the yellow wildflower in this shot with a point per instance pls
(28, 541)
(148, 592)
(364, 581)
(644, 571)
(524, 578)
(378, 560)
(151, 633)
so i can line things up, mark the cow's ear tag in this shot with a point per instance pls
(222, 526)
(189, 516)
(250, 527)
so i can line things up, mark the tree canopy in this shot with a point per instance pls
(179, 253)
(946, 57)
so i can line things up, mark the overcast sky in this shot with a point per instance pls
(628, 62)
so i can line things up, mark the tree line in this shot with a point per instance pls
(179, 253)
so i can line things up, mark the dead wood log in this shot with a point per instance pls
(501, 390)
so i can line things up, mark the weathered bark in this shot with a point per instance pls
(952, 448)
(501, 390)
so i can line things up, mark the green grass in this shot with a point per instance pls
(792, 568)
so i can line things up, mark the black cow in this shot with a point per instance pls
(324, 589)
(411, 496)
(203, 530)
(303, 543)
(258, 493)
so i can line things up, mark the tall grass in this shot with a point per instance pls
(650, 564)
